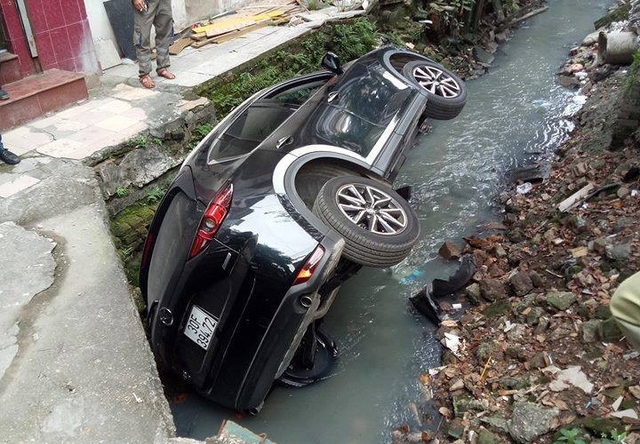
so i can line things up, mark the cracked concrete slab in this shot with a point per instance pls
(82, 373)
(63, 186)
(25, 272)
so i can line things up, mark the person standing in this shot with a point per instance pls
(156, 13)
(7, 156)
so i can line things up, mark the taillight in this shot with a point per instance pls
(310, 266)
(148, 248)
(213, 217)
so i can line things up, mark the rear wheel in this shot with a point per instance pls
(378, 226)
(447, 92)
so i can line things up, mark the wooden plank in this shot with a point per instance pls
(235, 21)
(576, 197)
(240, 32)
(202, 43)
(230, 35)
(219, 31)
(177, 46)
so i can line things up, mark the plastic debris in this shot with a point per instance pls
(524, 188)
(411, 277)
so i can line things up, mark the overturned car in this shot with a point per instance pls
(282, 202)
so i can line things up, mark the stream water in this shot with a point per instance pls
(513, 111)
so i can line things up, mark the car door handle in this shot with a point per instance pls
(283, 141)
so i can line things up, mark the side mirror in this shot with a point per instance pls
(331, 62)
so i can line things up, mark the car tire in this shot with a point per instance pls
(447, 92)
(378, 226)
(312, 176)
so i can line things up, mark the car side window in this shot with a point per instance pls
(248, 130)
(258, 121)
(298, 96)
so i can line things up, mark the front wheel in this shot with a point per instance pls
(378, 226)
(447, 92)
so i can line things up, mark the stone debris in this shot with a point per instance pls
(536, 354)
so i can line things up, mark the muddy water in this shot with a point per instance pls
(513, 111)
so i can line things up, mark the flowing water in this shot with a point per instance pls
(456, 170)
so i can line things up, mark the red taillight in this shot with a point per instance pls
(148, 248)
(310, 267)
(213, 217)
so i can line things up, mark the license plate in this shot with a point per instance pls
(200, 327)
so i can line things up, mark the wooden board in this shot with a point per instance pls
(179, 45)
(575, 198)
(229, 35)
(239, 20)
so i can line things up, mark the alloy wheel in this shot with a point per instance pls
(436, 81)
(371, 209)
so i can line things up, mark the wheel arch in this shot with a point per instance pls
(301, 173)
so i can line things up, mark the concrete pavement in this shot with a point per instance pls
(75, 365)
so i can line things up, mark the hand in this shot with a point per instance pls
(139, 5)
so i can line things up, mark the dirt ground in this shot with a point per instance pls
(536, 356)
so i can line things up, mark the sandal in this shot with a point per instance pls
(146, 81)
(164, 72)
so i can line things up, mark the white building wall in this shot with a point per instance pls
(103, 38)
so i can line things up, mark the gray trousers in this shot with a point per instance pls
(158, 15)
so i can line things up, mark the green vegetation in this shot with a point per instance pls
(512, 5)
(570, 436)
(199, 133)
(314, 5)
(129, 230)
(577, 436)
(634, 72)
(122, 191)
(155, 195)
(349, 40)
(616, 15)
(143, 141)
(614, 438)
(452, 12)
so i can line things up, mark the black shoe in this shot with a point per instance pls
(4, 95)
(9, 158)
